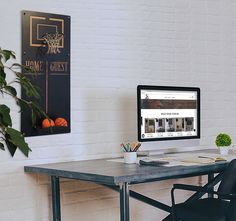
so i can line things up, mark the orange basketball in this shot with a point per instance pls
(47, 123)
(61, 122)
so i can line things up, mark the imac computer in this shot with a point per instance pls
(168, 113)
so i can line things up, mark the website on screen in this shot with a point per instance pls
(168, 114)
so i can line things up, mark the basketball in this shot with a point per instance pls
(47, 123)
(61, 122)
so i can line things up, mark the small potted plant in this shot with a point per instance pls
(223, 142)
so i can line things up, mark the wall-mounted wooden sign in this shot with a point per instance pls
(46, 50)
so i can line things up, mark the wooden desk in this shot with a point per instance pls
(119, 176)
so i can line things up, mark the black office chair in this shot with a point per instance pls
(222, 208)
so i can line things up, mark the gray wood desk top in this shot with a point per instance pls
(114, 173)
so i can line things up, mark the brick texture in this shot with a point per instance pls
(116, 45)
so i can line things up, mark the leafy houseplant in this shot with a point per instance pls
(223, 141)
(11, 138)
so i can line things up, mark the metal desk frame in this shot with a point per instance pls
(123, 187)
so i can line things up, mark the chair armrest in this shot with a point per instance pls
(203, 190)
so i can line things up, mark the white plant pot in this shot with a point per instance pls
(224, 150)
(130, 157)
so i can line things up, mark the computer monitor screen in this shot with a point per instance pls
(168, 113)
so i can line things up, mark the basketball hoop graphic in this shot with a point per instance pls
(53, 42)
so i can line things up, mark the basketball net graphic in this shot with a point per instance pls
(53, 42)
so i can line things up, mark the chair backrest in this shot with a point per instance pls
(228, 182)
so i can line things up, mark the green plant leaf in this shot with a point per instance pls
(8, 54)
(5, 117)
(11, 90)
(2, 77)
(33, 118)
(22, 104)
(223, 140)
(24, 68)
(2, 146)
(11, 147)
(36, 112)
(37, 109)
(2, 73)
(27, 86)
(16, 138)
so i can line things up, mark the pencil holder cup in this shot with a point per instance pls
(130, 157)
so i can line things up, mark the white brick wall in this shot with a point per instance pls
(116, 45)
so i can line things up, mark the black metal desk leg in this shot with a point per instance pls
(124, 202)
(56, 206)
(210, 178)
